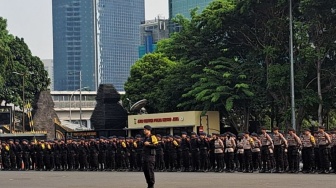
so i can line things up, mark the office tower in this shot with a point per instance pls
(49, 67)
(183, 7)
(74, 40)
(151, 31)
(118, 39)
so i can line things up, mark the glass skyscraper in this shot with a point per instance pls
(118, 39)
(74, 39)
(183, 7)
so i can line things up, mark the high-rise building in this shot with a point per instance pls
(184, 7)
(151, 31)
(118, 39)
(49, 67)
(74, 39)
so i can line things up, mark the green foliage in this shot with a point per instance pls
(145, 77)
(15, 56)
(234, 57)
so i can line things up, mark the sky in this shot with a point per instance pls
(32, 20)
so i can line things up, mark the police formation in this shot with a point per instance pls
(264, 153)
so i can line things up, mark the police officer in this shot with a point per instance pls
(185, 147)
(256, 156)
(323, 142)
(195, 152)
(204, 148)
(149, 151)
(294, 144)
(333, 151)
(248, 144)
(280, 143)
(5, 149)
(18, 154)
(308, 144)
(266, 143)
(139, 148)
(25, 154)
(229, 145)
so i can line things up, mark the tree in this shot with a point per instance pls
(15, 56)
(319, 17)
(145, 76)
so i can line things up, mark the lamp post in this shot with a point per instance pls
(80, 102)
(23, 97)
(292, 63)
(80, 96)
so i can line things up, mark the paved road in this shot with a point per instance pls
(34, 179)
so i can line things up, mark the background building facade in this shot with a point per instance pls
(183, 7)
(118, 39)
(151, 31)
(49, 67)
(74, 44)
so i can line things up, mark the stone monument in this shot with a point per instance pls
(45, 115)
(108, 114)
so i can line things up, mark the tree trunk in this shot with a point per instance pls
(319, 92)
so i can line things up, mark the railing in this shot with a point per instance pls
(75, 104)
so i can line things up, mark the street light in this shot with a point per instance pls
(80, 104)
(23, 96)
(80, 96)
(292, 63)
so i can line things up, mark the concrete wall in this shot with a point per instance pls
(210, 121)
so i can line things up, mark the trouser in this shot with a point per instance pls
(57, 161)
(179, 159)
(166, 158)
(71, 160)
(265, 158)
(293, 158)
(307, 159)
(19, 161)
(324, 158)
(185, 159)
(278, 155)
(159, 161)
(228, 157)
(52, 160)
(212, 160)
(256, 160)
(148, 169)
(248, 160)
(12, 158)
(333, 158)
(25, 159)
(204, 159)
(195, 155)
(83, 162)
(5, 161)
(172, 160)
(102, 160)
(317, 166)
(39, 161)
(132, 160)
(46, 161)
(139, 159)
(64, 161)
(219, 161)
(240, 157)
(94, 161)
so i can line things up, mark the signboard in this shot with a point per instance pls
(158, 120)
(5, 115)
(200, 129)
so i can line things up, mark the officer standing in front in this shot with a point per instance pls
(149, 150)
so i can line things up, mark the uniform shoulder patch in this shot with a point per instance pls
(154, 139)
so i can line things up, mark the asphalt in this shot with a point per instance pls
(34, 179)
